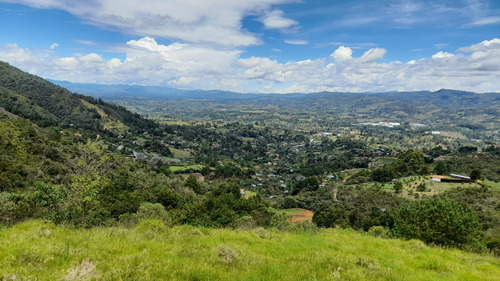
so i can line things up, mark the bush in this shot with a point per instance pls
(398, 186)
(421, 187)
(147, 211)
(378, 231)
(440, 222)
(330, 217)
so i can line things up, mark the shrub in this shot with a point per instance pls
(378, 231)
(421, 187)
(329, 217)
(398, 186)
(440, 222)
(147, 211)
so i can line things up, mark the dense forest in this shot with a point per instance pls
(80, 161)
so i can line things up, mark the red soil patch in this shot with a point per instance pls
(303, 215)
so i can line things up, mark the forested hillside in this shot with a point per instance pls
(47, 104)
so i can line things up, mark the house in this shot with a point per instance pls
(457, 176)
(437, 178)
(452, 178)
(242, 191)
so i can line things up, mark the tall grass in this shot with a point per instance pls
(37, 250)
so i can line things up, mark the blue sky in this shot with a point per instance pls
(277, 46)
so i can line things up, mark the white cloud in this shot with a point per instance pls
(342, 54)
(276, 20)
(193, 66)
(373, 55)
(442, 55)
(296, 42)
(53, 46)
(216, 22)
(481, 47)
(85, 42)
(484, 21)
(92, 58)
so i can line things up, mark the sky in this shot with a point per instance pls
(258, 46)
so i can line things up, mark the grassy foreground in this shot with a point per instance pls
(37, 250)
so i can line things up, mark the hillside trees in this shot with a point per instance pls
(438, 221)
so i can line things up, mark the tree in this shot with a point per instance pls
(421, 187)
(330, 217)
(411, 163)
(192, 183)
(441, 168)
(86, 190)
(308, 184)
(398, 186)
(437, 221)
(475, 174)
(382, 175)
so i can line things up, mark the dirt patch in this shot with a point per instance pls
(302, 215)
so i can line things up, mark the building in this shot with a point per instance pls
(437, 178)
(457, 176)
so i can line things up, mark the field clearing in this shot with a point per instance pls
(116, 127)
(179, 169)
(249, 194)
(179, 153)
(432, 187)
(300, 215)
(91, 106)
(37, 250)
(385, 160)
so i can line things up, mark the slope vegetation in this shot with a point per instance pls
(47, 104)
(42, 251)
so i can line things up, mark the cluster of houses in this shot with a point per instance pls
(381, 124)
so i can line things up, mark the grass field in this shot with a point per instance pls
(179, 153)
(180, 169)
(112, 125)
(250, 194)
(38, 250)
(432, 187)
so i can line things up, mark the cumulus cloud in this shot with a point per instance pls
(442, 55)
(53, 46)
(276, 20)
(342, 54)
(193, 66)
(373, 55)
(486, 45)
(215, 22)
(91, 58)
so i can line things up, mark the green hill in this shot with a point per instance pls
(46, 104)
(37, 250)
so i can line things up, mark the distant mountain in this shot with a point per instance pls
(444, 98)
(47, 104)
(114, 91)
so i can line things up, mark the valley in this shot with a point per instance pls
(295, 169)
